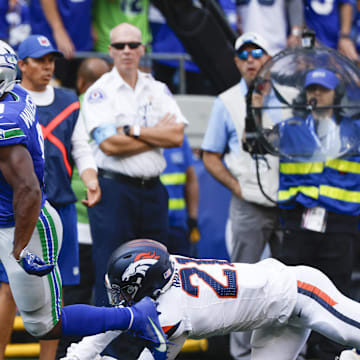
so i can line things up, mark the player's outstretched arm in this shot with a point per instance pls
(141, 320)
(143, 323)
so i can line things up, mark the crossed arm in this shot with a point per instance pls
(166, 133)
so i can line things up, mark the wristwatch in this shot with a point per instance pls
(136, 131)
(126, 130)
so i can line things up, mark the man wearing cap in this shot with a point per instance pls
(253, 218)
(321, 198)
(65, 144)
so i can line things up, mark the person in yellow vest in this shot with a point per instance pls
(181, 182)
(321, 199)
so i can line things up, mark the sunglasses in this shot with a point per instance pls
(121, 45)
(255, 53)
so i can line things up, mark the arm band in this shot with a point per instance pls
(103, 132)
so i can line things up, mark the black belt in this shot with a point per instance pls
(137, 181)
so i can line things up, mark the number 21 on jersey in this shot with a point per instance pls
(227, 290)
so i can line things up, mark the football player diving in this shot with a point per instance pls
(200, 298)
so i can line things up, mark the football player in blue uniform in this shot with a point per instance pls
(31, 232)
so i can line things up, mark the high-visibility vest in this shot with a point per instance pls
(174, 178)
(334, 184)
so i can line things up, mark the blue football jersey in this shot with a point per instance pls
(19, 125)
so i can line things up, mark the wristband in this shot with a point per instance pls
(136, 131)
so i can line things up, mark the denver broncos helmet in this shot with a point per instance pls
(137, 269)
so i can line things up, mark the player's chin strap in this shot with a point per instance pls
(159, 292)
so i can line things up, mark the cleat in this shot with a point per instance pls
(145, 323)
(349, 355)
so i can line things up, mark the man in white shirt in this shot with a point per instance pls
(131, 117)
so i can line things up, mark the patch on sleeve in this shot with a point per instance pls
(96, 95)
(11, 134)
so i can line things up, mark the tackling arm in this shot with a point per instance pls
(17, 167)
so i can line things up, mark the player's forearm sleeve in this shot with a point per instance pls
(85, 320)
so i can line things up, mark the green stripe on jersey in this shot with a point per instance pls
(11, 133)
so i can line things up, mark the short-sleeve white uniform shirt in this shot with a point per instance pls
(110, 100)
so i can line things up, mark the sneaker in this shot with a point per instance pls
(145, 323)
(349, 355)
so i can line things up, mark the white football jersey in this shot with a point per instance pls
(215, 297)
(212, 297)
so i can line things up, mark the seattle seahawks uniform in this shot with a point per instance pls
(40, 308)
(214, 297)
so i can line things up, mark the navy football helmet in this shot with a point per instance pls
(137, 269)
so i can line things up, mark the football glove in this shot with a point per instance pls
(33, 264)
(145, 323)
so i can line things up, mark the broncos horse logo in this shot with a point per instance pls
(141, 265)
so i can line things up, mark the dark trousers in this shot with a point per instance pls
(125, 212)
(179, 242)
(330, 252)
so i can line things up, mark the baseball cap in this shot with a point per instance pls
(252, 38)
(322, 77)
(36, 46)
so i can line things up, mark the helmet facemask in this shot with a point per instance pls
(8, 70)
